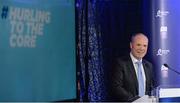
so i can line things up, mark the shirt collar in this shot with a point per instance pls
(134, 60)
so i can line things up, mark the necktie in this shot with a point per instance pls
(140, 79)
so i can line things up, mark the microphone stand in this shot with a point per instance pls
(171, 69)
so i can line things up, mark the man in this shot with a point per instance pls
(132, 75)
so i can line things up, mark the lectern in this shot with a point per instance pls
(169, 94)
(162, 94)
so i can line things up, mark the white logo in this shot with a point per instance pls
(164, 71)
(162, 52)
(163, 29)
(161, 13)
(164, 68)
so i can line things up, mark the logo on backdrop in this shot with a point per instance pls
(164, 71)
(26, 25)
(163, 32)
(161, 13)
(162, 52)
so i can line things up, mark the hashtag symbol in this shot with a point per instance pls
(4, 12)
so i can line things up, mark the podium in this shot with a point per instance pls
(169, 94)
(162, 94)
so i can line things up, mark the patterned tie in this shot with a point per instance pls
(140, 79)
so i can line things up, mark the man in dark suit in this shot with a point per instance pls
(125, 83)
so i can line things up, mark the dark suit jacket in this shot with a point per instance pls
(123, 80)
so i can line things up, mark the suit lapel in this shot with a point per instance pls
(146, 74)
(133, 72)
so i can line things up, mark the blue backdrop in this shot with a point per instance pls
(166, 37)
(37, 50)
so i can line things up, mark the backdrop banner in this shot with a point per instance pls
(37, 50)
(165, 41)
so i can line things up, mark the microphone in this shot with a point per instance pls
(171, 69)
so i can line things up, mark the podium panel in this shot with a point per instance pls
(162, 94)
(169, 94)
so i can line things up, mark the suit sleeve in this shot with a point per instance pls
(117, 80)
(153, 82)
(151, 75)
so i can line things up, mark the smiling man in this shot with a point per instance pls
(132, 76)
(139, 45)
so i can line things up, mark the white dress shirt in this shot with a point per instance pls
(134, 60)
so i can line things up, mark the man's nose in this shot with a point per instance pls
(141, 48)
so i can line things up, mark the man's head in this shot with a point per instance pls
(139, 45)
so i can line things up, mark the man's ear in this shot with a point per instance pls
(130, 45)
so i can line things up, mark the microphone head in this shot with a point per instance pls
(166, 65)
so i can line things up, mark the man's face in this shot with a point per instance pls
(139, 46)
